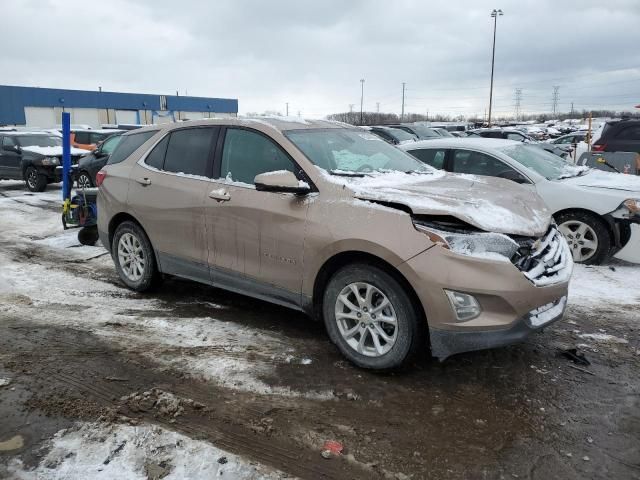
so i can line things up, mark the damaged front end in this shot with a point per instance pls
(543, 260)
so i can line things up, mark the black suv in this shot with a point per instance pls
(32, 157)
(619, 136)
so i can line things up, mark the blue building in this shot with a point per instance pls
(42, 107)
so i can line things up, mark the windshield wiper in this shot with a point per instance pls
(344, 173)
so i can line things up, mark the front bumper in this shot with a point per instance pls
(507, 296)
(446, 343)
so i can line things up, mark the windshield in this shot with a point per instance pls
(425, 132)
(351, 151)
(444, 132)
(39, 141)
(542, 162)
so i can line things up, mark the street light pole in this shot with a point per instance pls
(361, 100)
(494, 14)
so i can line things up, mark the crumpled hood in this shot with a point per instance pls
(606, 180)
(54, 151)
(490, 204)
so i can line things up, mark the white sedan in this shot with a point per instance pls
(598, 212)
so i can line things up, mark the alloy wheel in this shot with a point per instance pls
(582, 239)
(32, 178)
(131, 257)
(84, 181)
(366, 319)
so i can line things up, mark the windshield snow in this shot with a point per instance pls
(547, 164)
(351, 151)
(39, 141)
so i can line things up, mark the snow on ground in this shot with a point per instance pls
(112, 451)
(617, 284)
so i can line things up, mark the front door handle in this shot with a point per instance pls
(221, 195)
(143, 181)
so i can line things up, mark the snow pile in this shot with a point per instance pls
(618, 285)
(93, 450)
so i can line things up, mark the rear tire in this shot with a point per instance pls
(588, 237)
(134, 257)
(84, 180)
(396, 344)
(35, 182)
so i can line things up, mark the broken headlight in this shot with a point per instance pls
(475, 244)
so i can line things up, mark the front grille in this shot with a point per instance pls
(545, 261)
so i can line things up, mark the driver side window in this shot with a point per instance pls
(476, 163)
(246, 154)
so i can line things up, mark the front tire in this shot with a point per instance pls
(134, 257)
(370, 317)
(35, 182)
(588, 237)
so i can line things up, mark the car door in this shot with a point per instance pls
(256, 238)
(477, 163)
(10, 158)
(167, 190)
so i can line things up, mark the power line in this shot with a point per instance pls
(554, 98)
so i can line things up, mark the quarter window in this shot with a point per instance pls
(189, 151)
(432, 156)
(129, 144)
(247, 154)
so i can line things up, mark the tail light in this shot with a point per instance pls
(598, 147)
(100, 176)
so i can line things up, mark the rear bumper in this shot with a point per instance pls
(445, 343)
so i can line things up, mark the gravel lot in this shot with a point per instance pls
(194, 382)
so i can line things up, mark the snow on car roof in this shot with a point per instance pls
(468, 142)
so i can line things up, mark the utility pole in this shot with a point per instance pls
(287, 104)
(494, 14)
(377, 107)
(427, 114)
(299, 113)
(402, 114)
(351, 105)
(361, 100)
(571, 109)
(518, 98)
(554, 98)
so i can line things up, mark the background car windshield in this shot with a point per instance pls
(39, 141)
(401, 135)
(352, 151)
(540, 161)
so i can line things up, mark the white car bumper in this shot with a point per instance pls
(631, 251)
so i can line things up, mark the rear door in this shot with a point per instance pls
(256, 239)
(167, 190)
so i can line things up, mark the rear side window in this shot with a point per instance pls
(189, 150)
(155, 158)
(110, 144)
(247, 154)
(629, 133)
(431, 156)
(128, 145)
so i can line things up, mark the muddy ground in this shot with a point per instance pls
(77, 347)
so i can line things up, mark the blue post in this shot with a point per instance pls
(67, 181)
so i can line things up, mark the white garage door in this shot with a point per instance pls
(43, 117)
(85, 116)
(127, 116)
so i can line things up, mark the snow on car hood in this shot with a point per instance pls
(54, 151)
(490, 204)
(609, 180)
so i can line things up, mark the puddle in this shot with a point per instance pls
(14, 443)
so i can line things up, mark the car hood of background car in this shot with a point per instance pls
(606, 180)
(54, 151)
(490, 204)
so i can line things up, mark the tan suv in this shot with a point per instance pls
(331, 220)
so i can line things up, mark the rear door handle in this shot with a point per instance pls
(221, 195)
(143, 181)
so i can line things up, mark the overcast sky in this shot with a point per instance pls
(313, 53)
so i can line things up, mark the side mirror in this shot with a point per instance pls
(281, 181)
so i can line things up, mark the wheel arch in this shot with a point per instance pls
(335, 262)
(122, 217)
